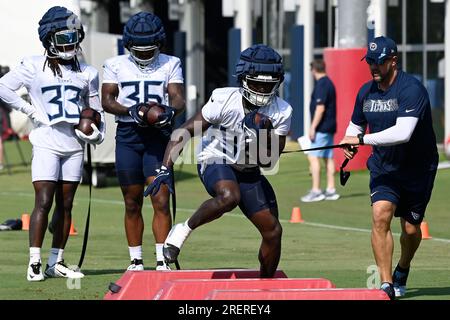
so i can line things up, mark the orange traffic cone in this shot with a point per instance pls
(296, 216)
(25, 221)
(73, 231)
(425, 231)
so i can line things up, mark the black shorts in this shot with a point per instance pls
(410, 194)
(256, 192)
(139, 152)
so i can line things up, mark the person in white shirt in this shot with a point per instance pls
(235, 122)
(59, 87)
(144, 75)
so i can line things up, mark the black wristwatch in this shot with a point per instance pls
(361, 138)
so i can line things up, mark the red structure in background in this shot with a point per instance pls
(348, 73)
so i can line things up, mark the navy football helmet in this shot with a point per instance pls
(61, 33)
(143, 36)
(260, 72)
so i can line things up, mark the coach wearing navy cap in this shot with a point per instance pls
(379, 50)
(396, 108)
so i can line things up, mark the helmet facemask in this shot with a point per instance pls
(65, 44)
(259, 90)
(144, 55)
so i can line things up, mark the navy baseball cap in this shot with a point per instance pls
(379, 49)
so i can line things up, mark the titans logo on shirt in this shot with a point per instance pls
(380, 105)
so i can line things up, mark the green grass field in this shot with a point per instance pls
(333, 243)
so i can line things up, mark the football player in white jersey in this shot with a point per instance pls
(144, 75)
(232, 117)
(59, 87)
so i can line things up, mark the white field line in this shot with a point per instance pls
(313, 224)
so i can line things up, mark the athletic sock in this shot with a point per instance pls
(159, 251)
(179, 234)
(135, 252)
(35, 255)
(400, 275)
(402, 270)
(60, 255)
(53, 257)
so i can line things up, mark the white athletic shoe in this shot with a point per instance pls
(161, 266)
(60, 270)
(313, 196)
(331, 195)
(34, 272)
(136, 265)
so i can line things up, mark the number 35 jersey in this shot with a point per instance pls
(58, 99)
(139, 86)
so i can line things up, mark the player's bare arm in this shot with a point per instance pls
(176, 96)
(170, 156)
(110, 92)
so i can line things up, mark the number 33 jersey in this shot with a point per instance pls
(58, 99)
(139, 86)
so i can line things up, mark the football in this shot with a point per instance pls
(150, 112)
(267, 123)
(87, 117)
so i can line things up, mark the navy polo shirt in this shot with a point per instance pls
(324, 93)
(378, 109)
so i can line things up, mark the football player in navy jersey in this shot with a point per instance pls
(396, 108)
(230, 177)
(144, 75)
(59, 87)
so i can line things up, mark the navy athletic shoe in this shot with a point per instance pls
(399, 278)
(389, 289)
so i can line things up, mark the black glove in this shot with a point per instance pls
(166, 117)
(134, 113)
(165, 176)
